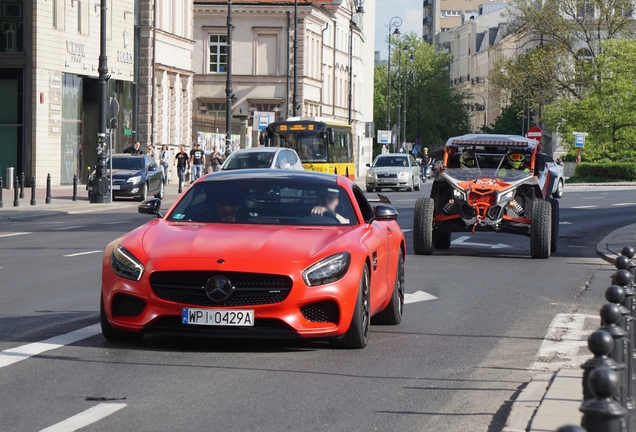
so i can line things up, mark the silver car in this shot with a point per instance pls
(393, 171)
(263, 157)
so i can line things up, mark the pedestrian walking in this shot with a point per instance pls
(182, 162)
(150, 151)
(216, 159)
(197, 161)
(164, 157)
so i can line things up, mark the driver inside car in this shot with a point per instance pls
(327, 203)
(516, 159)
(468, 159)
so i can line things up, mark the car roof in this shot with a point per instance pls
(116, 155)
(259, 150)
(493, 140)
(274, 174)
(392, 155)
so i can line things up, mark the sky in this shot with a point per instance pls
(410, 11)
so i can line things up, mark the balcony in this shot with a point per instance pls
(428, 3)
(427, 20)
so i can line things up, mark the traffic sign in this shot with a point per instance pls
(535, 132)
(579, 138)
(384, 136)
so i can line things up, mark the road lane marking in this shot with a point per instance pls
(17, 354)
(624, 204)
(462, 241)
(116, 222)
(68, 227)
(82, 253)
(562, 343)
(584, 207)
(14, 234)
(418, 296)
(407, 230)
(83, 419)
(565, 223)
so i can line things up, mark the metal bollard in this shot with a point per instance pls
(611, 315)
(48, 189)
(22, 185)
(602, 413)
(1, 193)
(74, 187)
(629, 252)
(600, 343)
(33, 190)
(16, 201)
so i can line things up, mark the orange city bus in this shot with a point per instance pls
(322, 144)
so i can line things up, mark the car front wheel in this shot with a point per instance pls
(392, 314)
(161, 192)
(110, 333)
(423, 226)
(541, 230)
(143, 193)
(558, 193)
(358, 334)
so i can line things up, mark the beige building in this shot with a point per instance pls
(444, 15)
(263, 65)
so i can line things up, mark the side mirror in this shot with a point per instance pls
(150, 206)
(369, 165)
(385, 212)
(285, 165)
(331, 136)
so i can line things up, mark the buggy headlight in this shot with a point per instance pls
(327, 270)
(459, 194)
(508, 196)
(125, 264)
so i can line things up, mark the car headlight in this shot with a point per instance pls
(125, 264)
(458, 194)
(404, 174)
(133, 180)
(370, 174)
(327, 270)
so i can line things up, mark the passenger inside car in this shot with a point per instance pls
(227, 209)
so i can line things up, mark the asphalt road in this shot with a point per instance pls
(454, 363)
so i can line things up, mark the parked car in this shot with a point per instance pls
(491, 183)
(133, 176)
(555, 170)
(263, 157)
(247, 254)
(393, 171)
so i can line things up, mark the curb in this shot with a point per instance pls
(525, 406)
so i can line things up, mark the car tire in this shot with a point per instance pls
(441, 240)
(110, 333)
(559, 190)
(358, 334)
(392, 314)
(417, 187)
(370, 189)
(143, 195)
(161, 192)
(540, 230)
(423, 226)
(554, 239)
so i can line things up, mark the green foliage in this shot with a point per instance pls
(508, 122)
(608, 171)
(435, 111)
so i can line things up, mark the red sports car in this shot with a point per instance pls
(258, 253)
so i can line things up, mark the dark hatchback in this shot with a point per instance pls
(133, 176)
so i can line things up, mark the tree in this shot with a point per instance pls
(606, 109)
(508, 122)
(435, 111)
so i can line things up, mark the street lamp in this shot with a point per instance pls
(295, 94)
(359, 11)
(228, 82)
(406, 48)
(395, 22)
(100, 192)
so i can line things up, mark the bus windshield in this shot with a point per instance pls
(311, 146)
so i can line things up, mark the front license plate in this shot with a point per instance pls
(116, 187)
(218, 317)
(386, 181)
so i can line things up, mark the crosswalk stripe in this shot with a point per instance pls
(85, 418)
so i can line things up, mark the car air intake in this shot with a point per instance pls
(126, 305)
(326, 311)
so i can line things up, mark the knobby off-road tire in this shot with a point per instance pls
(358, 334)
(554, 241)
(423, 226)
(110, 333)
(541, 230)
(441, 240)
(392, 314)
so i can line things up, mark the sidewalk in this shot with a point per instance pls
(552, 400)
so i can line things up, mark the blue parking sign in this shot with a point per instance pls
(579, 141)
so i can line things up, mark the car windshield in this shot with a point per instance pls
(128, 163)
(264, 202)
(391, 161)
(506, 175)
(249, 160)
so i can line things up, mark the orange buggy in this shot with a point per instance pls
(496, 183)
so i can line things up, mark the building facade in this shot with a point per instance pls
(444, 15)
(334, 58)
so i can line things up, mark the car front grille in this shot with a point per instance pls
(326, 311)
(188, 287)
(387, 175)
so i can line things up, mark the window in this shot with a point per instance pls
(585, 9)
(217, 46)
(58, 14)
(448, 13)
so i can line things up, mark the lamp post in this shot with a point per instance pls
(405, 49)
(295, 95)
(395, 22)
(100, 192)
(228, 82)
(359, 11)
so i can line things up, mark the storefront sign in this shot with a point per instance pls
(76, 48)
(125, 57)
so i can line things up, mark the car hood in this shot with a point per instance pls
(165, 239)
(390, 170)
(124, 173)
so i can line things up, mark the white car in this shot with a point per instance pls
(393, 171)
(263, 157)
(555, 171)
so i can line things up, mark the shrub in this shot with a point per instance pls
(610, 171)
